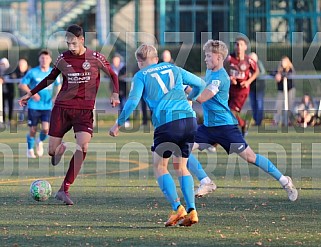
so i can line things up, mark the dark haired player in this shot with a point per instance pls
(80, 68)
(242, 71)
(40, 105)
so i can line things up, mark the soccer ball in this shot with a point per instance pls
(40, 190)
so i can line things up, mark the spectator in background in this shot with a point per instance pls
(306, 111)
(7, 91)
(167, 57)
(2, 67)
(20, 72)
(285, 69)
(119, 68)
(257, 89)
(242, 71)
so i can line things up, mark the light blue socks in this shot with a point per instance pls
(195, 167)
(267, 166)
(187, 187)
(42, 136)
(30, 142)
(168, 187)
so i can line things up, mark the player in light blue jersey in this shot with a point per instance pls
(220, 125)
(40, 105)
(161, 86)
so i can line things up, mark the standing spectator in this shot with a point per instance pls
(80, 68)
(257, 89)
(285, 69)
(167, 57)
(119, 68)
(40, 105)
(242, 71)
(20, 72)
(7, 91)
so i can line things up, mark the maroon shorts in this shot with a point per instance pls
(63, 119)
(237, 98)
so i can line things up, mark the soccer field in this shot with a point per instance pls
(118, 202)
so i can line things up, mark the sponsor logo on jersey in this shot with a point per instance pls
(79, 77)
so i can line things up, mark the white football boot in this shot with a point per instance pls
(39, 148)
(291, 190)
(31, 154)
(205, 188)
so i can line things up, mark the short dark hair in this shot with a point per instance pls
(75, 30)
(44, 52)
(242, 37)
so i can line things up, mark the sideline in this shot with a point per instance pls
(141, 166)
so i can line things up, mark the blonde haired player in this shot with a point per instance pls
(161, 86)
(220, 125)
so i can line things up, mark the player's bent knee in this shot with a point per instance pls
(32, 132)
(83, 147)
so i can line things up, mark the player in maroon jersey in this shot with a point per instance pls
(243, 71)
(80, 68)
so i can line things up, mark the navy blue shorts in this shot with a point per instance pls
(175, 138)
(228, 136)
(38, 116)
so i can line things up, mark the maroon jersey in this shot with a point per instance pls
(241, 70)
(81, 79)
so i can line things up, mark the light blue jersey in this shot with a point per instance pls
(161, 86)
(216, 110)
(32, 78)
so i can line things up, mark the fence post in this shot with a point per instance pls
(1, 105)
(286, 101)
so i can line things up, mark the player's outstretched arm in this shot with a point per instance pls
(195, 82)
(49, 79)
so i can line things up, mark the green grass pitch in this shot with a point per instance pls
(118, 202)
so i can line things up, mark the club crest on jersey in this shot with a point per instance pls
(216, 83)
(243, 66)
(86, 65)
